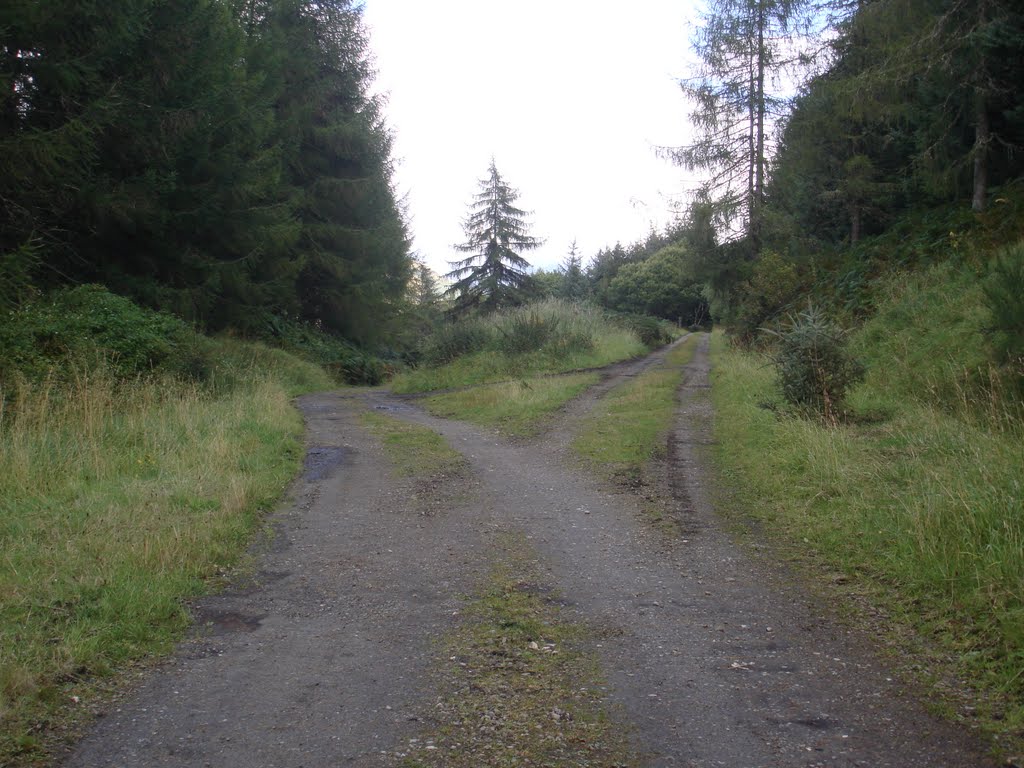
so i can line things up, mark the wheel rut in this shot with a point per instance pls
(711, 657)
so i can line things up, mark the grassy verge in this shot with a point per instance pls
(627, 431)
(414, 451)
(517, 688)
(923, 510)
(492, 366)
(117, 502)
(516, 408)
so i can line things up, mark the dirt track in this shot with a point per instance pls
(712, 658)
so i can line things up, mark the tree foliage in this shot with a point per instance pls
(738, 91)
(913, 105)
(661, 286)
(495, 275)
(222, 160)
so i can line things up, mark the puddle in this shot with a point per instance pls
(321, 460)
(225, 622)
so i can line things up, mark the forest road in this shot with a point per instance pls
(713, 656)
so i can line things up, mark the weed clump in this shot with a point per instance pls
(814, 367)
(550, 327)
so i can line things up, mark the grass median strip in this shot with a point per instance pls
(516, 408)
(517, 686)
(622, 435)
(414, 451)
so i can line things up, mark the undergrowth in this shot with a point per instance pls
(120, 497)
(136, 458)
(546, 337)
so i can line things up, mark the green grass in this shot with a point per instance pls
(492, 366)
(546, 337)
(118, 500)
(623, 434)
(414, 451)
(517, 408)
(922, 508)
(518, 687)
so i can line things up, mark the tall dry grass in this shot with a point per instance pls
(118, 500)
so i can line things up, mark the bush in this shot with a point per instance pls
(553, 326)
(88, 324)
(452, 340)
(342, 359)
(814, 367)
(527, 332)
(361, 368)
(651, 331)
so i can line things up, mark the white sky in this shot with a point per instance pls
(569, 96)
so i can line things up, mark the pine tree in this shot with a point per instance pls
(427, 293)
(495, 275)
(574, 282)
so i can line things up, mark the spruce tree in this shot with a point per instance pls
(574, 282)
(496, 230)
(353, 246)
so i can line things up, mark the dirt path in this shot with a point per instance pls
(711, 659)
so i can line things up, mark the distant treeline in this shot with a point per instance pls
(220, 159)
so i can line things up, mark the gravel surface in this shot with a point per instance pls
(712, 656)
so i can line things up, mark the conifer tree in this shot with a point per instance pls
(496, 230)
(743, 48)
(574, 282)
(427, 293)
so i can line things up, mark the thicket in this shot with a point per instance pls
(550, 326)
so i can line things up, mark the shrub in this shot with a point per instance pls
(527, 331)
(361, 368)
(452, 340)
(342, 359)
(553, 326)
(651, 331)
(814, 367)
(88, 324)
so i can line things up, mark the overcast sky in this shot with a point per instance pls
(571, 97)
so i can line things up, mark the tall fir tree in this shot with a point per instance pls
(222, 159)
(574, 282)
(353, 248)
(495, 276)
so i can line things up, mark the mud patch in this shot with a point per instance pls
(228, 622)
(322, 460)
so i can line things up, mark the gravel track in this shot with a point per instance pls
(712, 656)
